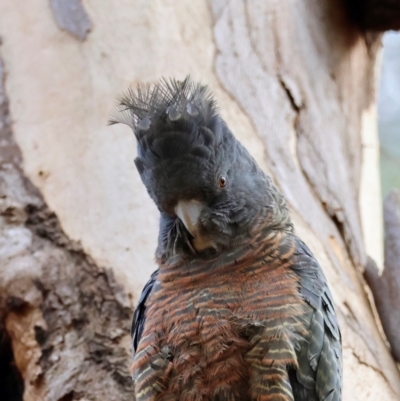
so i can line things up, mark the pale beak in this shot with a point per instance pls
(189, 212)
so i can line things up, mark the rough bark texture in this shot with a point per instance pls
(67, 319)
(296, 82)
(386, 286)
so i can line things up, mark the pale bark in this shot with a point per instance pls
(295, 81)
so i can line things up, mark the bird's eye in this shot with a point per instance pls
(222, 181)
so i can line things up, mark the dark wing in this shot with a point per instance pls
(319, 375)
(139, 316)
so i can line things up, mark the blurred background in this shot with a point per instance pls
(389, 113)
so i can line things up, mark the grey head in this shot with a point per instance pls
(207, 187)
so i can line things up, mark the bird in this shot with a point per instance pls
(239, 308)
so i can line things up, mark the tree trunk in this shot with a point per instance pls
(295, 81)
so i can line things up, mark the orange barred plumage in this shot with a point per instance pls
(239, 308)
(228, 333)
